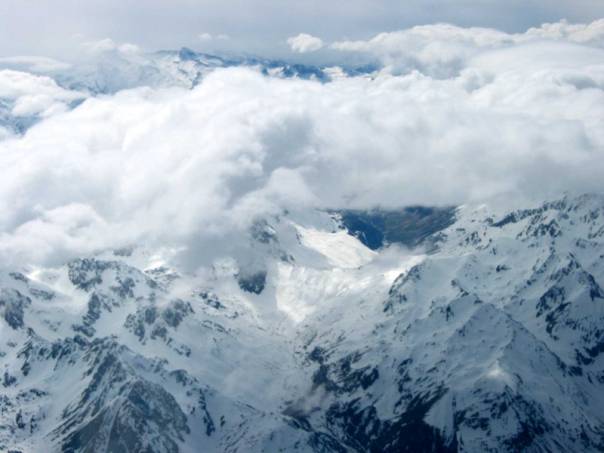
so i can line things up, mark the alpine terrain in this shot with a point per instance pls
(319, 227)
(423, 330)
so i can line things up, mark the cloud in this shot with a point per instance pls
(592, 33)
(108, 45)
(458, 115)
(33, 64)
(304, 43)
(443, 50)
(27, 94)
(205, 37)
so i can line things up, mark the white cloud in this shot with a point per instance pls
(108, 45)
(209, 37)
(443, 50)
(33, 64)
(592, 33)
(304, 43)
(30, 94)
(474, 114)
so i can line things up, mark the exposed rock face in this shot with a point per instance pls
(12, 305)
(123, 412)
(252, 283)
(493, 341)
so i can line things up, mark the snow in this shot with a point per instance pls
(464, 319)
(341, 249)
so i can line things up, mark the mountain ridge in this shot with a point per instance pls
(488, 340)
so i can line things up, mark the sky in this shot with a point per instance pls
(55, 27)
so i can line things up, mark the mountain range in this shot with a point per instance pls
(468, 329)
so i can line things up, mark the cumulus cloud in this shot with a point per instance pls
(205, 37)
(475, 114)
(592, 33)
(443, 50)
(109, 45)
(26, 94)
(304, 43)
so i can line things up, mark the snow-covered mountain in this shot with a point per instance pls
(113, 70)
(33, 88)
(474, 329)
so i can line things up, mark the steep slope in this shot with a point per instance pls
(301, 338)
(493, 343)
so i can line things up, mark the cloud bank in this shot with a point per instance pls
(443, 50)
(455, 115)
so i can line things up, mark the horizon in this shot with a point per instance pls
(262, 27)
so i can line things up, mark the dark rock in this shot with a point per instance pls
(12, 305)
(252, 283)
(176, 312)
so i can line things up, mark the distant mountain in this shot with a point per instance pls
(113, 71)
(308, 340)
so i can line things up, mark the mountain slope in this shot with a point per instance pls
(488, 338)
